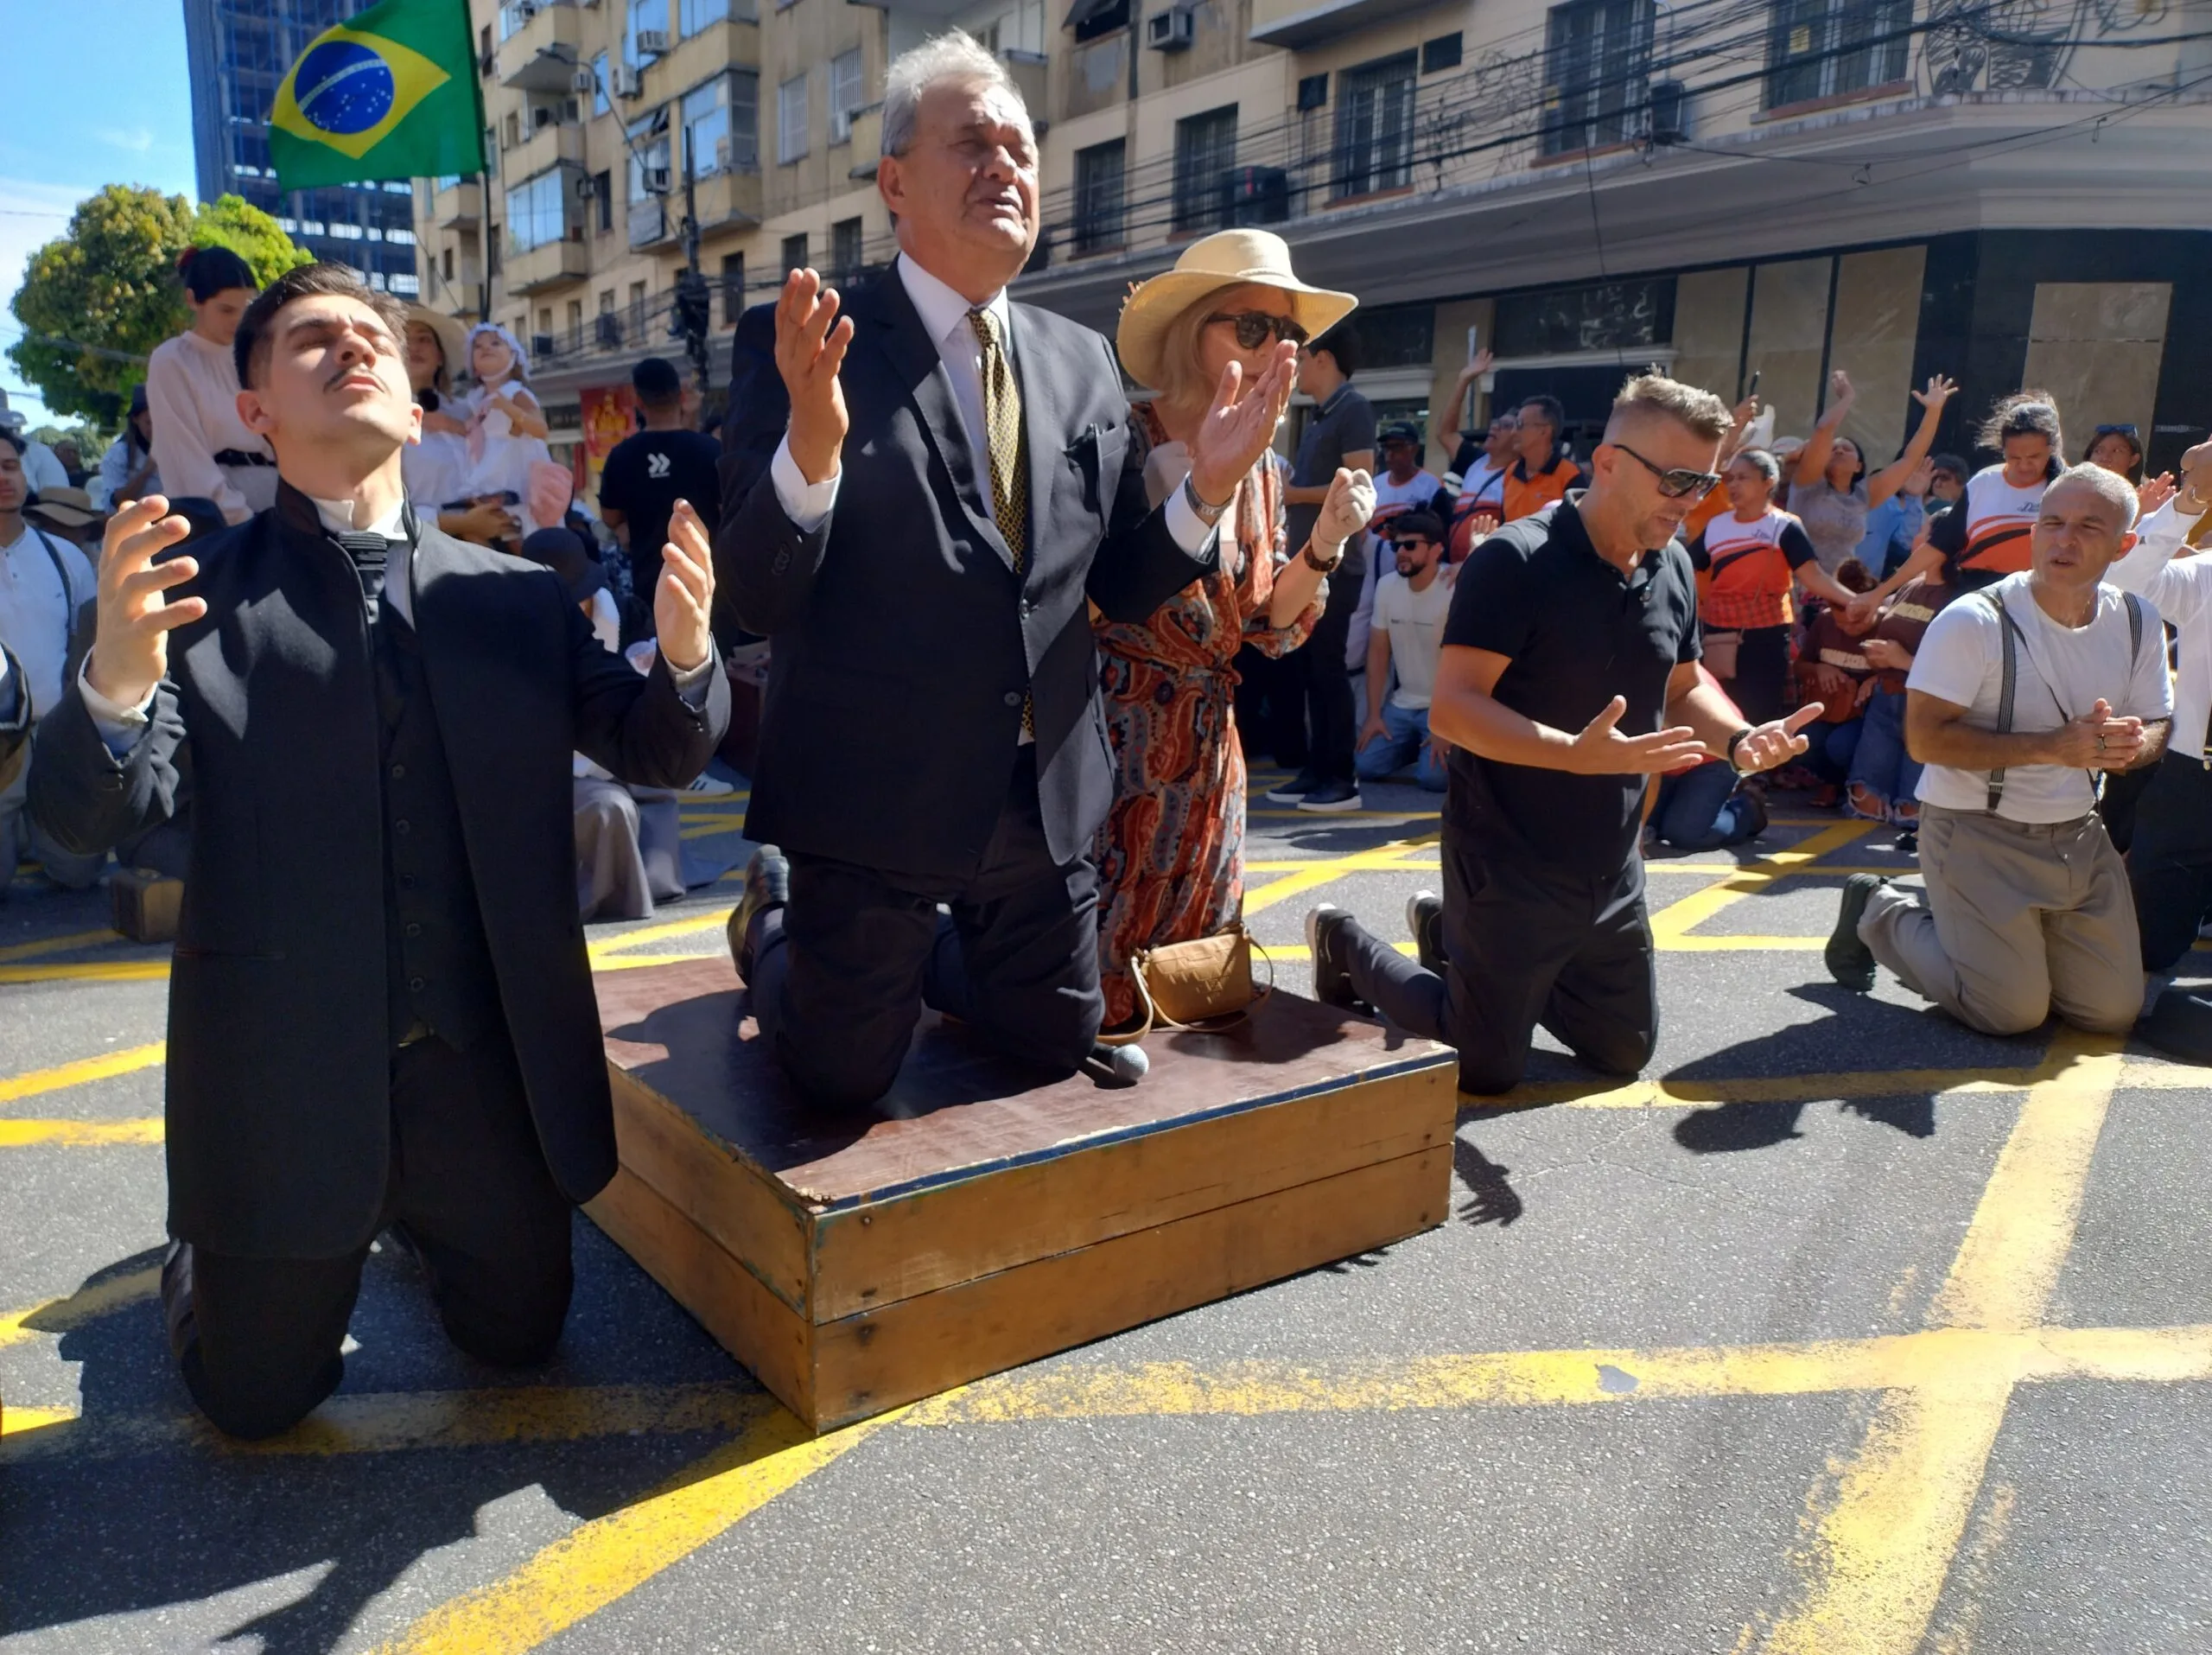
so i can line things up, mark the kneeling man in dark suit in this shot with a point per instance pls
(380, 1013)
(922, 490)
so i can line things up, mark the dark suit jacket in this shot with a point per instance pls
(279, 1045)
(903, 643)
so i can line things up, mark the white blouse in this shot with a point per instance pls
(192, 391)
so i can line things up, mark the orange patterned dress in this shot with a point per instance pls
(1170, 855)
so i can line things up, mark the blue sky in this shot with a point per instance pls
(98, 94)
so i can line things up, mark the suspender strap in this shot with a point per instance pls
(2007, 684)
(60, 572)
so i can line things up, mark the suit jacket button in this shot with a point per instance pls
(1012, 697)
(1025, 609)
(416, 984)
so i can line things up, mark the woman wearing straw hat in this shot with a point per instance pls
(1170, 855)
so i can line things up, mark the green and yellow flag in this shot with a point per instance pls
(390, 93)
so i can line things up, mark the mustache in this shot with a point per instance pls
(331, 384)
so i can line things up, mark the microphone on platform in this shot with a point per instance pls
(1118, 1066)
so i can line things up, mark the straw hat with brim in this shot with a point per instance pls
(64, 508)
(453, 338)
(1228, 259)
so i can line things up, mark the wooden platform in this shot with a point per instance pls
(982, 1218)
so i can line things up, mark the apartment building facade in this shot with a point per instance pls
(2008, 191)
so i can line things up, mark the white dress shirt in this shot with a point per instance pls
(944, 318)
(2181, 590)
(38, 607)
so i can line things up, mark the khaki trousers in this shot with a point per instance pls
(2020, 919)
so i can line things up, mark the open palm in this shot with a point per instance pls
(1240, 426)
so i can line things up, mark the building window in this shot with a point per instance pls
(791, 118)
(844, 249)
(643, 14)
(733, 287)
(1609, 316)
(1313, 91)
(537, 211)
(1205, 148)
(1092, 18)
(719, 125)
(1374, 128)
(404, 285)
(1100, 196)
(795, 252)
(637, 305)
(1442, 53)
(599, 89)
(649, 178)
(1597, 61)
(1823, 49)
(602, 195)
(692, 16)
(845, 93)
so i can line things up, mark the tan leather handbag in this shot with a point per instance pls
(1203, 985)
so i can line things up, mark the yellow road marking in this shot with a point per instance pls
(1883, 1545)
(611, 1557)
(47, 945)
(82, 1072)
(78, 1135)
(124, 971)
(632, 962)
(690, 925)
(19, 1422)
(1678, 918)
(86, 1304)
(1381, 859)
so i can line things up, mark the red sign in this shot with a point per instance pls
(610, 414)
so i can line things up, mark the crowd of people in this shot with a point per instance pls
(349, 657)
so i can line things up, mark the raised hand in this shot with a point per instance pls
(1601, 750)
(131, 645)
(1344, 511)
(811, 342)
(1940, 391)
(1918, 481)
(1776, 741)
(1237, 429)
(684, 599)
(2154, 492)
(1840, 389)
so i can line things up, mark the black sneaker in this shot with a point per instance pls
(1297, 787)
(1909, 842)
(1324, 940)
(1850, 961)
(1425, 923)
(1331, 796)
(1754, 809)
(767, 885)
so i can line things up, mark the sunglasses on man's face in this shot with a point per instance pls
(1674, 482)
(1409, 545)
(1256, 328)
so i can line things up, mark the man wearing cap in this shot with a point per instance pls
(46, 589)
(925, 487)
(380, 1011)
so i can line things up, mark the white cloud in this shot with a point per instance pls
(139, 141)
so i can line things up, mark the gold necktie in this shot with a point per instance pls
(1003, 424)
(1009, 475)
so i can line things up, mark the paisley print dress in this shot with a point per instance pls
(1170, 855)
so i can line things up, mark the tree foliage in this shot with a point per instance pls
(94, 304)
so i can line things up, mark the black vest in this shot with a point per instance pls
(438, 963)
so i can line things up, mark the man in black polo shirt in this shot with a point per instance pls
(648, 473)
(1567, 680)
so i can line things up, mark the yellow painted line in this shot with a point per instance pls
(82, 1072)
(128, 970)
(21, 1422)
(634, 962)
(1726, 944)
(709, 829)
(47, 945)
(1678, 1092)
(86, 1304)
(1679, 918)
(1322, 817)
(78, 1135)
(1382, 858)
(1890, 1526)
(609, 1557)
(690, 925)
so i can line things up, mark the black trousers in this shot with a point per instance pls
(1525, 944)
(2169, 861)
(259, 1338)
(1271, 707)
(1320, 663)
(839, 978)
(1761, 673)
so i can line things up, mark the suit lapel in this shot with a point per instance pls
(1043, 423)
(906, 345)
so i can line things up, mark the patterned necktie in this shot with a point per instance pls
(370, 553)
(1009, 476)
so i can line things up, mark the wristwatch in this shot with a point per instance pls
(1735, 742)
(1208, 515)
(1329, 568)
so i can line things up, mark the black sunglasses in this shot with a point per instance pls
(2127, 431)
(1674, 482)
(1256, 327)
(1411, 545)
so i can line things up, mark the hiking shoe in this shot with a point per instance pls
(1331, 796)
(1425, 924)
(1324, 940)
(1289, 793)
(1850, 961)
(767, 886)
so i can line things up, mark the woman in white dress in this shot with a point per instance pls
(201, 448)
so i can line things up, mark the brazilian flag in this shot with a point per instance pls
(389, 94)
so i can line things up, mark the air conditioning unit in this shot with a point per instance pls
(541, 346)
(723, 160)
(1254, 196)
(587, 187)
(1171, 30)
(1669, 118)
(651, 42)
(583, 81)
(656, 181)
(610, 330)
(627, 84)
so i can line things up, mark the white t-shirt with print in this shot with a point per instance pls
(2062, 672)
(1414, 622)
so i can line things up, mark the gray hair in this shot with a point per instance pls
(2116, 489)
(955, 55)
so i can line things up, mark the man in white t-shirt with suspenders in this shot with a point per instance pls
(2018, 696)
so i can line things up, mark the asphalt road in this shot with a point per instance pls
(1857, 1333)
